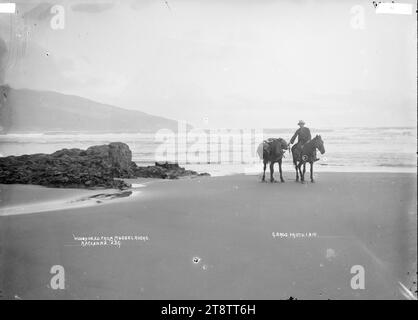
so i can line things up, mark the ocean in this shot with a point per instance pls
(224, 152)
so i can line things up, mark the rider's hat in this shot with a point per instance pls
(301, 122)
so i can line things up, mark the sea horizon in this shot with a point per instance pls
(348, 149)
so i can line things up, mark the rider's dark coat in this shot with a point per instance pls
(303, 134)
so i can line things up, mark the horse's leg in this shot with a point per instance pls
(271, 171)
(296, 168)
(264, 172)
(312, 179)
(300, 171)
(280, 169)
(304, 170)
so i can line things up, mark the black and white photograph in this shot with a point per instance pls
(208, 150)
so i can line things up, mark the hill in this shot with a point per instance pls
(24, 110)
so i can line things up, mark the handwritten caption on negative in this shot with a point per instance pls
(294, 235)
(116, 240)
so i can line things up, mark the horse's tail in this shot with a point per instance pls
(260, 151)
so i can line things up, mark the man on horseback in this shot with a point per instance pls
(304, 135)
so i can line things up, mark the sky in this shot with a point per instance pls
(219, 63)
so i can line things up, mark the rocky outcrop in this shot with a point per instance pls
(73, 168)
(98, 166)
(163, 170)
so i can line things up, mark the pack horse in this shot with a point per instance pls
(272, 151)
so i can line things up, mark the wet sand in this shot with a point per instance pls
(227, 237)
(18, 199)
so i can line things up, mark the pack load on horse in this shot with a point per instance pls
(272, 151)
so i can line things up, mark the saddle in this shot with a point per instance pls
(297, 150)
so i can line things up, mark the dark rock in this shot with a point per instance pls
(117, 156)
(98, 166)
(71, 168)
(167, 165)
(150, 172)
(204, 174)
(163, 170)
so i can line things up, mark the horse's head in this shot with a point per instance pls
(283, 144)
(319, 144)
(279, 145)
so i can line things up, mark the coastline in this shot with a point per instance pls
(288, 168)
(355, 149)
(228, 223)
(19, 199)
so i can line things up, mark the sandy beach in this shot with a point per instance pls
(229, 237)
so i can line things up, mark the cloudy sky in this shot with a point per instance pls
(219, 63)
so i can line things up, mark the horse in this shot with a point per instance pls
(304, 154)
(271, 151)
